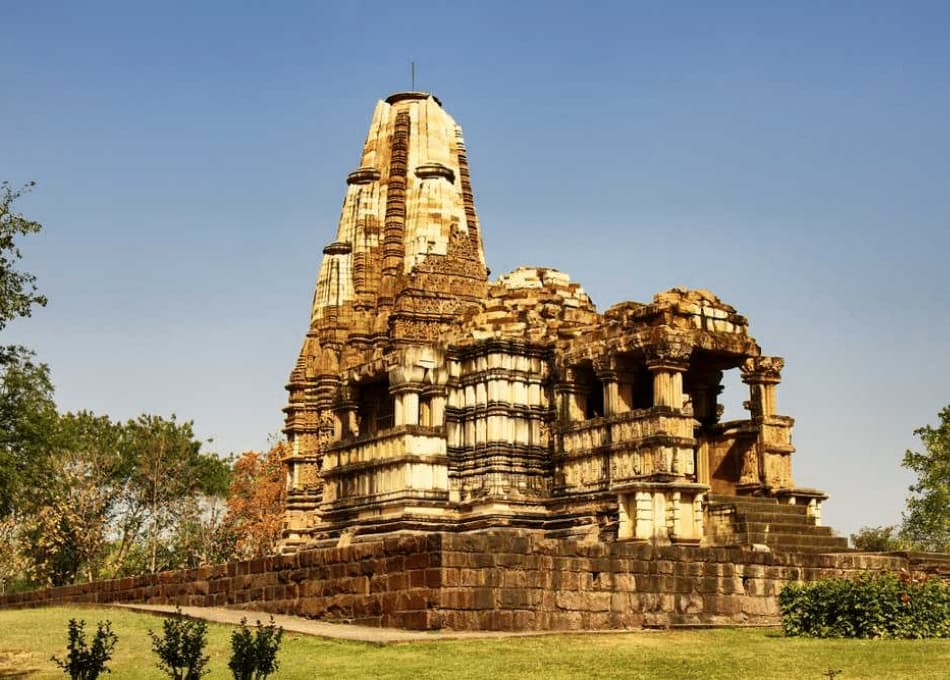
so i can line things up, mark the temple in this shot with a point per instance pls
(428, 398)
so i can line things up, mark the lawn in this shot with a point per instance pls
(28, 638)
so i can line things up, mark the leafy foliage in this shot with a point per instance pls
(18, 292)
(927, 519)
(255, 516)
(27, 421)
(164, 468)
(868, 606)
(83, 661)
(71, 510)
(877, 539)
(109, 498)
(254, 656)
(180, 648)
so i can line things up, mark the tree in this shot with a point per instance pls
(27, 422)
(927, 518)
(877, 539)
(27, 411)
(165, 467)
(18, 291)
(255, 509)
(14, 562)
(121, 498)
(71, 510)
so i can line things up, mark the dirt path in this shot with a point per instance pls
(335, 631)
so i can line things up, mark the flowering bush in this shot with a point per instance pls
(867, 606)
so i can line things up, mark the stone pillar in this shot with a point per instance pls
(398, 416)
(762, 374)
(566, 392)
(436, 393)
(605, 372)
(705, 390)
(410, 407)
(667, 361)
(625, 524)
(644, 515)
(626, 386)
(773, 464)
(346, 409)
(405, 384)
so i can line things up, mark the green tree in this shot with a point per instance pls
(71, 510)
(27, 411)
(877, 539)
(27, 422)
(166, 468)
(18, 291)
(927, 518)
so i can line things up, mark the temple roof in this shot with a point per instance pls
(408, 210)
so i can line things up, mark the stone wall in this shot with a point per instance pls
(493, 580)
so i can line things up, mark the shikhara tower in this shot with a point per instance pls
(427, 398)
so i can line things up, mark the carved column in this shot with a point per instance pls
(667, 361)
(705, 390)
(762, 374)
(346, 410)
(566, 391)
(405, 385)
(605, 371)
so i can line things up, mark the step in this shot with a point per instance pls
(796, 542)
(765, 508)
(744, 524)
(841, 546)
(723, 498)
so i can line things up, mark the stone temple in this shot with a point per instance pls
(427, 397)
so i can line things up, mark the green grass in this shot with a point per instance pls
(28, 638)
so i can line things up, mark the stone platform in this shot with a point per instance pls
(493, 580)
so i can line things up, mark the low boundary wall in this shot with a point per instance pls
(491, 580)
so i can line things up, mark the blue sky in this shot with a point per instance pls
(791, 157)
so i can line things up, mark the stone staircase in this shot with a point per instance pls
(748, 520)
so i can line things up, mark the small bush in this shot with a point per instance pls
(86, 662)
(254, 656)
(180, 647)
(868, 606)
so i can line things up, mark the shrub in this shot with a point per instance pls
(254, 656)
(86, 662)
(868, 606)
(180, 647)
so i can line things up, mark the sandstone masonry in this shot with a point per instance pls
(494, 580)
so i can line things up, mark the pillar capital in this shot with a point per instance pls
(670, 353)
(762, 370)
(605, 368)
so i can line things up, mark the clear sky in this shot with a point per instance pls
(794, 158)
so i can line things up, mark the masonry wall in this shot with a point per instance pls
(493, 580)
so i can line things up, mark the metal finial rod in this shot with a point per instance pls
(412, 70)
